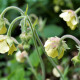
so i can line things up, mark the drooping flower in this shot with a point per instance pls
(7, 44)
(3, 22)
(55, 48)
(70, 17)
(55, 72)
(20, 56)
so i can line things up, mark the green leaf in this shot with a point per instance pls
(52, 30)
(3, 79)
(66, 71)
(17, 74)
(34, 58)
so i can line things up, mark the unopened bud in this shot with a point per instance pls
(21, 56)
(55, 72)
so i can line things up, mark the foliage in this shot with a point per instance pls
(51, 26)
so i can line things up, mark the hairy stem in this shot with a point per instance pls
(12, 23)
(76, 11)
(72, 37)
(33, 70)
(50, 59)
(9, 34)
(11, 7)
(41, 61)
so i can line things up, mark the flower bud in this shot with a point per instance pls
(75, 60)
(55, 48)
(25, 37)
(56, 9)
(70, 17)
(20, 57)
(55, 72)
(20, 46)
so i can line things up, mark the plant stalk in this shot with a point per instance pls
(35, 43)
(11, 7)
(50, 59)
(71, 37)
(12, 23)
(33, 70)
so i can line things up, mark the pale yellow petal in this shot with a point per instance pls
(12, 49)
(2, 37)
(71, 25)
(52, 53)
(47, 43)
(73, 21)
(61, 54)
(3, 30)
(4, 47)
(66, 16)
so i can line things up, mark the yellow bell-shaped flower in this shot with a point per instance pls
(6, 45)
(52, 46)
(3, 28)
(70, 17)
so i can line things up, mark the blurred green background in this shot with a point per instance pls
(50, 25)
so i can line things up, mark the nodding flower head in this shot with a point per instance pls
(7, 44)
(3, 22)
(70, 17)
(55, 48)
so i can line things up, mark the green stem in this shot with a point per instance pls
(41, 61)
(76, 11)
(11, 7)
(12, 23)
(23, 26)
(9, 34)
(33, 70)
(72, 37)
(50, 59)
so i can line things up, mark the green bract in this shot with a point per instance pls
(75, 60)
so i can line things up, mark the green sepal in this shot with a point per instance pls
(65, 46)
(26, 10)
(23, 25)
(75, 60)
(79, 51)
(2, 23)
(9, 41)
(6, 21)
(62, 46)
(35, 23)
